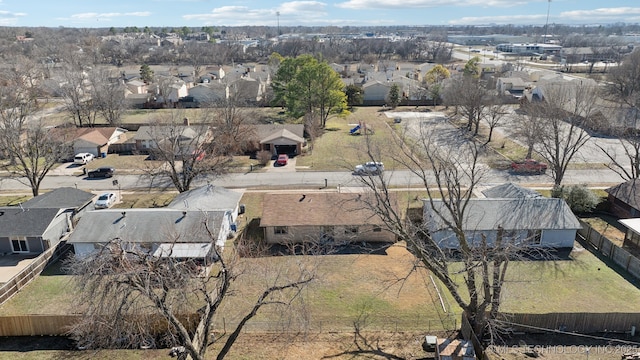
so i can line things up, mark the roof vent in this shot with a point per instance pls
(302, 198)
(124, 213)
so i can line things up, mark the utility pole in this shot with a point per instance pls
(546, 25)
(278, 19)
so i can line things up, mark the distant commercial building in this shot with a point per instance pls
(472, 40)
(528, 49)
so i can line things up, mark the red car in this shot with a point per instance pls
(283, 159)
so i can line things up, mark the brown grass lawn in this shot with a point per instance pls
(336, 149)
(145, 200)
(393, 305)
(124, 162)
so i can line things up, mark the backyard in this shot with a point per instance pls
(363, 290)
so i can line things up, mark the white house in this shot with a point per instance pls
(527, 221)
(152, 230)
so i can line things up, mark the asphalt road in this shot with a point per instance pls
(302, 179)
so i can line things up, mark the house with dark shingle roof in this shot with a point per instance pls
(73, 201)
(624, 199)
(314, 217)
(31, 230)
(536, 222)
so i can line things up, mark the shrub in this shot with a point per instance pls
(263, 157)
(580, 199)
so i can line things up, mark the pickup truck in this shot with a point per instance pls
(528, 166)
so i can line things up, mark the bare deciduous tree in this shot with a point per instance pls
(131, 298)
(75, 90)
(493, 115)
(107, 94)
(623, 89)
(185, 150)
(528, 129)
(468, 94)
(449, 174)
(564, 111)
(32, 150)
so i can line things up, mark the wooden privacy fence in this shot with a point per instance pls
(35, 325)
(605, 247)
(584, 323)
(58, 325)
(20, 280)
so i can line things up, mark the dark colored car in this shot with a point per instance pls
(102, 172)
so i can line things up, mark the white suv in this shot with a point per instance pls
(82, 158)
(369, 168)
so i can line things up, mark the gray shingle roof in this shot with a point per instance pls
(264, 130)
(512, 214)
(147, 226)
(510, 191)
(61, 198)
(25, 222)
(207, 198)
(627, 192)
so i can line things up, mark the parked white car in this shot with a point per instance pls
(82, 158)
(105, 201)
(369, 168)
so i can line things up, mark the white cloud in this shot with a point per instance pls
(625, 14)
(8, 18)
(507, 19)
(621, 13)
(290, 13)
(93, 15)
(403, 4)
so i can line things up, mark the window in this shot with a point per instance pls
(280, 230)
(351, 230)
(534, 237)
(19, 244)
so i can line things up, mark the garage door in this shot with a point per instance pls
(286, 149)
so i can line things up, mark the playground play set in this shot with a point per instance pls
(361, 128)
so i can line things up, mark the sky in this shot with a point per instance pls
(198, 13)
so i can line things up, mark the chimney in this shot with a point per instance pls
(186, 121)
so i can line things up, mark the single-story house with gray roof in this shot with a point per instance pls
(510, 191)
(31, 230)
(208, 198)
(73, 201)
(152, 229)
(535, 222)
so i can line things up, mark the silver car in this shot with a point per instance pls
(369, 168)
(105, 201)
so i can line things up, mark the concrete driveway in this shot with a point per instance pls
(290, 167)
